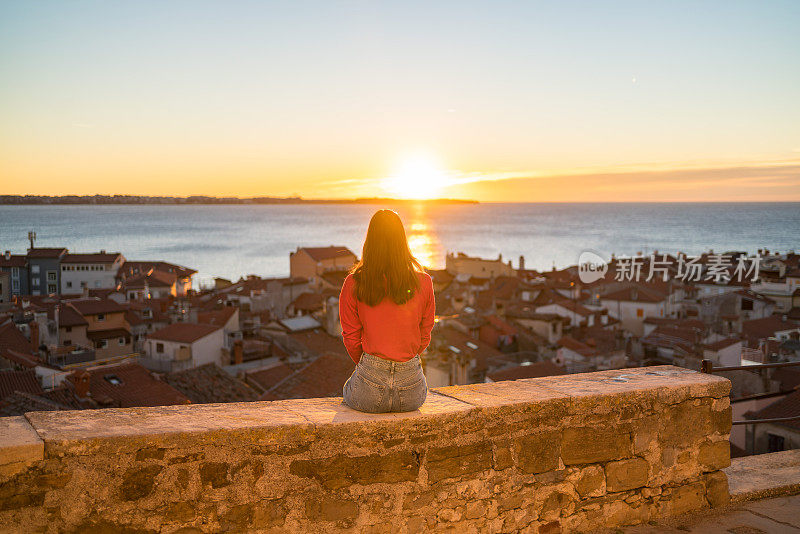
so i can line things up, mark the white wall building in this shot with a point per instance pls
(89, 271)
(183, 346)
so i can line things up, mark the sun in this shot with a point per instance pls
(416, 177)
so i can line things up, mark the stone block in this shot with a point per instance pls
(591, 481)
(458, 460)
(341, 471)
(717, 492)
(688, 498)
(138, 482)
(714, 455)
(330, 508)
(20, 445)
(538, 453)
(586, 445)
(502, 455)
(214, 474)
(626, 475)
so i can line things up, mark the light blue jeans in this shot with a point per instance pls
(378, 385)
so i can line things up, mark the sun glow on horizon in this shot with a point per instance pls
(419, 176)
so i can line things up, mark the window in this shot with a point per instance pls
(159, 348)
(51, 288)
(15, 285)
(775, 443)
(101, 317)
(15, 272)
(35, 282)
(69, 284)
(121, 341)
(639, 312)
(114, 380)
(67, 329)
(102, 344)
(747, 305)
(67, 342)
(51, 276)
(34, 269)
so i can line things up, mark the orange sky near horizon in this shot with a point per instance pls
(491, 101)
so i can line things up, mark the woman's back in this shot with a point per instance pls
(386, 308)
(392, 331)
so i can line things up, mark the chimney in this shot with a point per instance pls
(7, 255)
(34, 327)
(521, 262)
(238, 350)
(85, 291)
(80, 380)
(102, 251)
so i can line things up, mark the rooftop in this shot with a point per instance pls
(184, 332)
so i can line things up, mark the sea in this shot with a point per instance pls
(232, 241)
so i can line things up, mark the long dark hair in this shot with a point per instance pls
(387, 267)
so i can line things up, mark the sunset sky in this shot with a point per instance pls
(496, 101)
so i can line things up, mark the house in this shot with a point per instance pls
(776, 436)
(674, 344)
(598, 351)
(726, 352)
(73, 328)
(178, 276)
(472, 266)
(182, 346)
(312, 262)
(778, 327)
(228, 318)
(107, 329)
(498, 333)
(150, 284)
(548, 326)
(633, 304)
(575, 313)
(5, 288)
(89, 271)
(16, 350)
(44, 270)
(17, 268)
(456, 358)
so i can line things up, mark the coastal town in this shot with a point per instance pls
(87, 330)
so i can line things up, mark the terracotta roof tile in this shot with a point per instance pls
(11, 381)
(209, 384)
(93, 306)
(46, 252)
(269, 377)
(100, 257)
(788, 406)
(327, 253)
(323, 377)
(184, 332)
(128, 385)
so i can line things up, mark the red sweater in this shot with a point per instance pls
(391, 331)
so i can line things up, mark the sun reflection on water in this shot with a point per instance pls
(423, 241)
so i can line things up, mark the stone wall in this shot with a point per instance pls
(567, 453)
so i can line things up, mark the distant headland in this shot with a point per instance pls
(137, 199)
